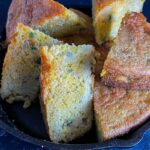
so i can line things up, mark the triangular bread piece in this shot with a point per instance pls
(128, 62)
(48, 16)
(118, 111)
(66, 90)
(85, 36)
(20, 75)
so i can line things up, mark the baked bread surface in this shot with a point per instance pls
(128, 62)
(48, 16)
(108, 14)
(118, 111)
(20, 75)
(66, 90)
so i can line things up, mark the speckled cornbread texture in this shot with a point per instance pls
(20, 75)
(66, 90)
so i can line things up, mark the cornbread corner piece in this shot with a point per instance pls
(118, 111)
(48, 16)
(20, 75)
(128, 62)
(66, 90)
(108, 14)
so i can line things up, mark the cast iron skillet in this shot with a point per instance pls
(28, 124)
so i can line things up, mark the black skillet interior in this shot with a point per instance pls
(30, 120)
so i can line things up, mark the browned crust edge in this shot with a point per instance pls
(135, 125)
(125, 128)
(142, 83)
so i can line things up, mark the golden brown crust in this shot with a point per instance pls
(53, 9)
(44, 79)
(50, 80)
(31, 13)
(141, 83)
(102, 4)
(118, 111)
(133, 21)
(127, 64)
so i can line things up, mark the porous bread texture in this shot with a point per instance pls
(20, 75)
(101, 53)
(84, 37)
(67, 90)
(48, 16)
(118, 111)
(127, 64)
(108, 14)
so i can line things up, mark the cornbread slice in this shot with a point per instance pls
(66, 90)
(108, 14)
(118, 111)
(128, 62)
(20, 75)
(48, 16)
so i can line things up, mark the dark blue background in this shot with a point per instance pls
(8, 142)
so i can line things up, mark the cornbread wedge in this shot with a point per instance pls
(118, 111)
(48, 16)
(128, 62)
(66, 90)
(108, 14)
(20, 75)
